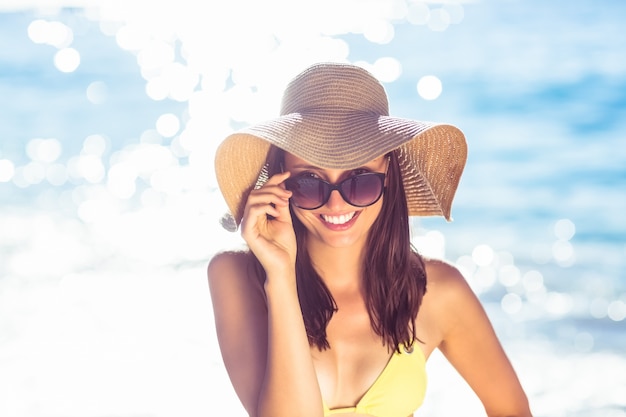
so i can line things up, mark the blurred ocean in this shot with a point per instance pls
(109, 115)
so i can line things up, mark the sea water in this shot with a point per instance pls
(109, 213)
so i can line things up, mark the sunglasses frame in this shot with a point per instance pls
(337, 186)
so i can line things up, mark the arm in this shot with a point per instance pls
(471, 345)
(290, 386)
(260, 328)
(241, 324)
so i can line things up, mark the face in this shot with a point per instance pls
(337, 223)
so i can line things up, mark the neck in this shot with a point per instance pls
(340, 268)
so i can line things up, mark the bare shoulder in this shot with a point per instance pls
(445, 281)
(233, 271)
(226, 261)
(449, 300)
(222, 261)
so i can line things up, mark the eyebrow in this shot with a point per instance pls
(304, 166)
(314, 167)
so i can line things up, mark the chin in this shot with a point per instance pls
(355, 236)
(342, 242)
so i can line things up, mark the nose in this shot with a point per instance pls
(335, 201)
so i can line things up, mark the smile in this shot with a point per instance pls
(342, 219)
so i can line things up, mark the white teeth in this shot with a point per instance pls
(344, 218)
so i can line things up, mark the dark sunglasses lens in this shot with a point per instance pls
(362, 190)
(308, 192)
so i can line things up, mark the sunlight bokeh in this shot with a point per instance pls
(110, 210)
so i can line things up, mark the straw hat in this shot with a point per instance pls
(336, 116)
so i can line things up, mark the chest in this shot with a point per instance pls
(358, 368)
(354, 361)
(360, 376)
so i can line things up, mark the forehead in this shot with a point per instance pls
(292, 160)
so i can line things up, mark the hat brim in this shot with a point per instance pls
(432, 156)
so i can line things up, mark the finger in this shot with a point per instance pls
(257, 211)
(254, 222)
(265, 207)
(274, 196)
(284, 215)
(277, 179)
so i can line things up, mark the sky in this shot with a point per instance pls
(110, 116)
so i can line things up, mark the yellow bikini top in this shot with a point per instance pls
(397, 392)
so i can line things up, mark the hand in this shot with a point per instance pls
(271, 239)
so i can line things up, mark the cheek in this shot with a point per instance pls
(302, 215)
(375, 210)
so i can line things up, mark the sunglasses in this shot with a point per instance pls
(359, 190)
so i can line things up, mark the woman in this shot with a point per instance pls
(332, 311)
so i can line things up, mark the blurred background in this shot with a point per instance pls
(110, 112)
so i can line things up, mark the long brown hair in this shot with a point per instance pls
(394, 276)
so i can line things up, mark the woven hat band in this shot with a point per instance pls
(337, 87)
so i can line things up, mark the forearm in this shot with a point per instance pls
(290, 385)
